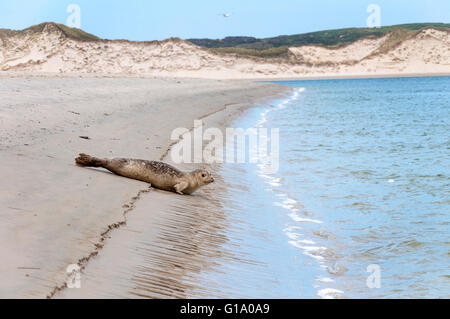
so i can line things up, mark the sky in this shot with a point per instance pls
(142, 20)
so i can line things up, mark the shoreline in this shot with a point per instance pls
(190, 77)
(174, 260)
(361, 76)
(219, 118)
(60, 209)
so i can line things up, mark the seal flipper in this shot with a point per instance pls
(179, 188)
(85, 160)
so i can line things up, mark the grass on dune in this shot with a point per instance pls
(280, 52)
(278, 47)
(72, 33)
(325, 38)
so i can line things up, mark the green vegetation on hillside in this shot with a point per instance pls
(72, 33)
(78, 34)
(280, 52)
(277, 47)
(396, 37)
(272, 48)
(325, 38)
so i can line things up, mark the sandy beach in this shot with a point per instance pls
(252, 233)
(53, 213)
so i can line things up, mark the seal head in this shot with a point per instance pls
(202, 177)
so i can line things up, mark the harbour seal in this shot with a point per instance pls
(157, 174)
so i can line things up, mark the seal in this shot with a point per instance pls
(157, 174)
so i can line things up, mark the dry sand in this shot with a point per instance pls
(52, 213)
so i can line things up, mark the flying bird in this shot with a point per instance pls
(225, 15)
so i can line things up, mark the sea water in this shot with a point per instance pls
(360, 206)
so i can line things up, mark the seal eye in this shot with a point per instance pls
(203, 175)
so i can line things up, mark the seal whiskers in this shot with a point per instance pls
(157, 174)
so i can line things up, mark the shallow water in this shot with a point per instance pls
(364, 180)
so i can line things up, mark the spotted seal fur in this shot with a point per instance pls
(158, 174)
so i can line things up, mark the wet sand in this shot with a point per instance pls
(54, 214)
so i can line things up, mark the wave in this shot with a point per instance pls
(293, 232)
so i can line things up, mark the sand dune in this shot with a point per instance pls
(50, 50)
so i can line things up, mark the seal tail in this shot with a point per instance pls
(85, 160)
